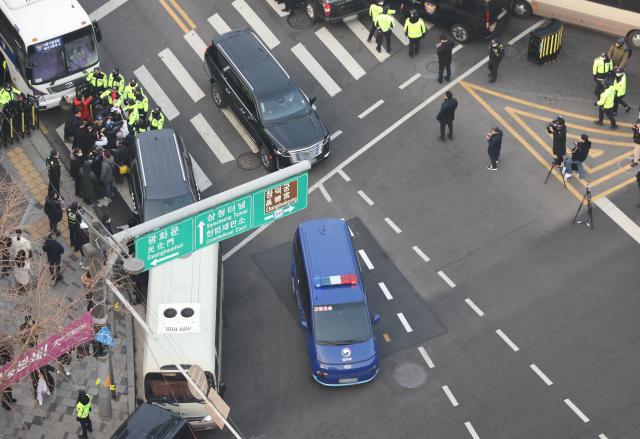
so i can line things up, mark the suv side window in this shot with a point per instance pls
(241, 90)
(303, 285)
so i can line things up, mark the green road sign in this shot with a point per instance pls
(224, 221)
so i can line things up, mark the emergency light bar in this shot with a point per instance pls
(329, 281)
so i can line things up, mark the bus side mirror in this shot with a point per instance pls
(97, 31)
(376, 319)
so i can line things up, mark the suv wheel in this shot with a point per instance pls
(267, 159)
(521, 8)
(634, 39)
(459, 32)
(311, 11)
(217, 97)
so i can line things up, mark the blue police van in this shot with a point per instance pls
(333, 309)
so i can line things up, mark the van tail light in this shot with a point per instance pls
(487, 19)
(327, 8)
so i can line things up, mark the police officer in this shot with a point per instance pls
(384, 24)
(374, 10)
(116, 80)
(98, 81)
(156, 119)
(130, 89)
(620, 84)
(73, 221)
(414, 29)
(8, 94)
(558, 128)
(605, 104)
(496, 53)
(54, 170)
(83, 408)
(142, 102)
(112, 96)
(142, 124)
(134, 115)
(602, 68)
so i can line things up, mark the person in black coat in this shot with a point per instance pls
(494, 139)
(54, 251)
(77, 159)
(54, 171)
(579, 154)
(71, 126)
(444, 47)
(6, 355)
(53, 210)
(558, 128)
(496, 53)
(447, 113)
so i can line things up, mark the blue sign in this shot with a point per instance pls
(104, 336)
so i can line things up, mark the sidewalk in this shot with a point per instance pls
(25, 164)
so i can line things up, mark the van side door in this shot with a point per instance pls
(300, 287)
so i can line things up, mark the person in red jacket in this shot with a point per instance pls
(83, 104)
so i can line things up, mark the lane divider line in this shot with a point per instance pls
(385, 291)
(365, 259)
(351, 232)
(452, 399)
(426, 357)
(325, 194)
(446, 279)
(175, 17)
(335, 135)
(471, 430)
(344, 176)
(366, 199)
(541, 374)
(619, 217)
(474, 307)
(409, 81)
(370, 109)
(507, 340)
(393, 225)
(405, 323)
(576, 410)
(184, 14)
(420, 253)
(602, 436)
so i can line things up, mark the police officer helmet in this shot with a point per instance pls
(7, 86)
(560, 120)
(619, 71)
(96, 70)
(133, 82)
(156, 110)
(620, 41)
(115, 71)
(414, 13)
(584, 137)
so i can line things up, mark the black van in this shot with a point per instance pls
(465, 19)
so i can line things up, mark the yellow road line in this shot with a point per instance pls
(183, 13)
(173, 15)
(602, 141)
(42, 128)
(582, 128)
(614, 188)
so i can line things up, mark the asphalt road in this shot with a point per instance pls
(524, 324)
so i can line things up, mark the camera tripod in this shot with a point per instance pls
(554, 164)
(588, 221)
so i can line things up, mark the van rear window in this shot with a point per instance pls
(169, 387)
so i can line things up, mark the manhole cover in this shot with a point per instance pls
(432, 67)
(249, 161)
(410, 375)
(512, 51)
(299, 20)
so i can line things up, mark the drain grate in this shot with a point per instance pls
(249, 161)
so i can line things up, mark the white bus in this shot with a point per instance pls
(47, 44)
(184, 313)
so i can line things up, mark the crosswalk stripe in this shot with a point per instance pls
(316, 70)
(182, 76)
(153, 88)
(218, 24)
(196, 43)
(202, 180)
(340, 52)
(256, 23)
(362, 33)
(276, 7)
(105, 9)
(398, 31)
(233, 120)
(211, 138)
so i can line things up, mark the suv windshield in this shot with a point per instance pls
(63, 56)
(345, 323)
(155, 208)
(283, 105)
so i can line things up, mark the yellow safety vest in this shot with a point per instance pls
(621, 85)
(601, 67)
(384, 22)
(414, 30)
(374, 11)
(607, 98)
(82, 411)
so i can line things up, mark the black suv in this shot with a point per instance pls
(465, 19)
(334, 10)
(278, 116)
(161, 179)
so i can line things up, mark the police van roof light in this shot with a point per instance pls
(329, 281)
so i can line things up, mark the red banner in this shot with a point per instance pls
(75, 333)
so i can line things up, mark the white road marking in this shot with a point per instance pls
(474, 307)
(277, 8)
(351, 232)
(370, 109)
(409, 81)
(449, 394)
(427, 359)
(159, 96)
(526, 32)
(405, 323)
(211, 138)
(335, 135)
(619, 217)
(338, 50)
(193, 39)
(218, 24)
(602, 436)
(362, 33)
(202, 180)
(541, 374)
(446, 278)
(181, 74)
(365, 259)
(383, 134)
(471, 430)
(366, 199)
(385, 291)
(420, 253)
(325, 194)
(60, 131)
(398, 31)
(392, 225)
(256, 23)
(576, 410)
(233, 120)
(106, 9)
(458, 47)
(316, 70)
(344, 176)
(507, 340)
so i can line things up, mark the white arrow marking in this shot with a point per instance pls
(164, 258)
(201, 230)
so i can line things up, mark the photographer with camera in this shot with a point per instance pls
(558, 128)
(579, 154)
(636, 139)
